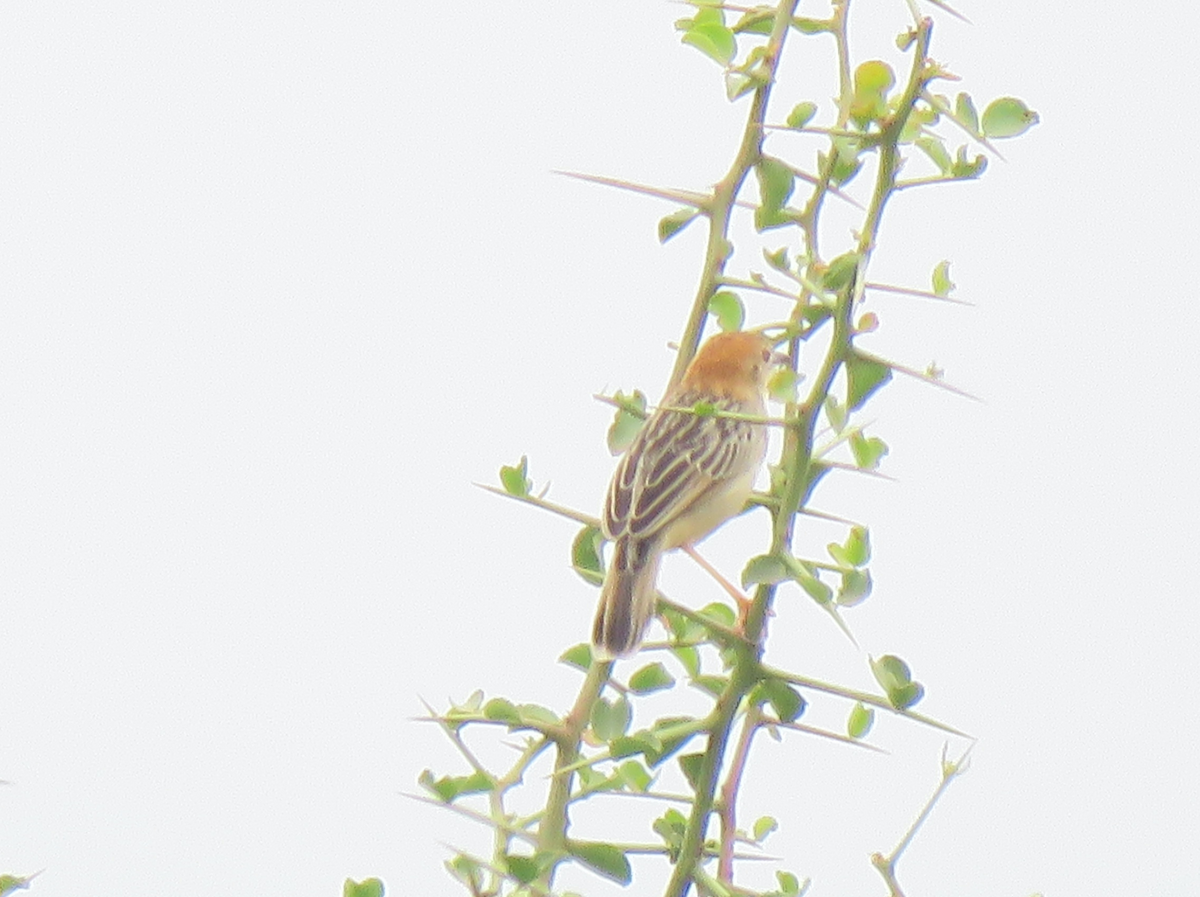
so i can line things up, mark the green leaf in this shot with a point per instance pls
(861, 718)
(585, 555)
(738, 83)
(965, 168)
(872, 81)
(856, 550)
(942, 284)
(467, 871)
(845, 163)
(727, 308)
(714, 685)
(712, 39)
(836, 412)
(611, 719)
(918, 120)
(524, 868)
(801, 114)
(756, 21)
(763, 826)
(689, 657)
(867, 451)
(776, 181)
(894, 677)
(778, 259)
(783, 698)
(636, 776)
(935, 150)
(856, 586)
(671, 827)
(690, 764)
(964, 111)
(719, 613)
(580, 656)
(650, 678)
(448, 788)
(765, 568)
(501, 711)
(670, 225)
(840, 271)
(788, 883)
(627, 421)
(515, 479)
(811, 26)
(1007, 117)
(811, 583)
(606, 859)
(370, 887)
(535, 716)
(864, 376)
(781, 385)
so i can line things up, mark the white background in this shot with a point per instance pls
(280, 280)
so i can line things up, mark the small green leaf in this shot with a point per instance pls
(776, 181)
(872, 80)
(579, 656)
(856, 586)
(840, 271)
(690, 764)
(964, 111)
(788, 883)
(535, 716)
(467, 871)
(650, 678)
(585, 555)
(783, 698)
(627, 421)
(801, 114)
(756, 21)
(714, 685)
(370, 887)
(727, 308)
(719, 613)
(765, 568)
(856, 551)
(523, 868)
(845, 163)
(778, 259)
(965, 168)
(515, 479)
(942, 284)
(501, 711)
(861, 718)
(811, 26)
(781, 385)
(448, 788)
(738, 83)
(606, 859)
(894, 677)
(1007, 117)
(864, 376)
(670, 225)
(712, 39)
(689, 657)
(611, 719)
(836, 412)
(636, 776)
(867, 452)
(935, 150)
(763, 826)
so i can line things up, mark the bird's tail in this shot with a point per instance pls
(626, 600)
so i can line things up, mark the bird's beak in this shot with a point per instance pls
(778, 359)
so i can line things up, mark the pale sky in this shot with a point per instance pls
(282, 280)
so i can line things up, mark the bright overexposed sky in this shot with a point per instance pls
(280, 281)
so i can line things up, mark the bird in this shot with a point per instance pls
(684, 475)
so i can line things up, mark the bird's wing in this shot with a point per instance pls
(674, 461)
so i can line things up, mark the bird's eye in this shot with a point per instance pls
(766, 354)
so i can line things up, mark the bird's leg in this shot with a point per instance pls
(743, 603)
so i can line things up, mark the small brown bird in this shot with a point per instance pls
(684, 475)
